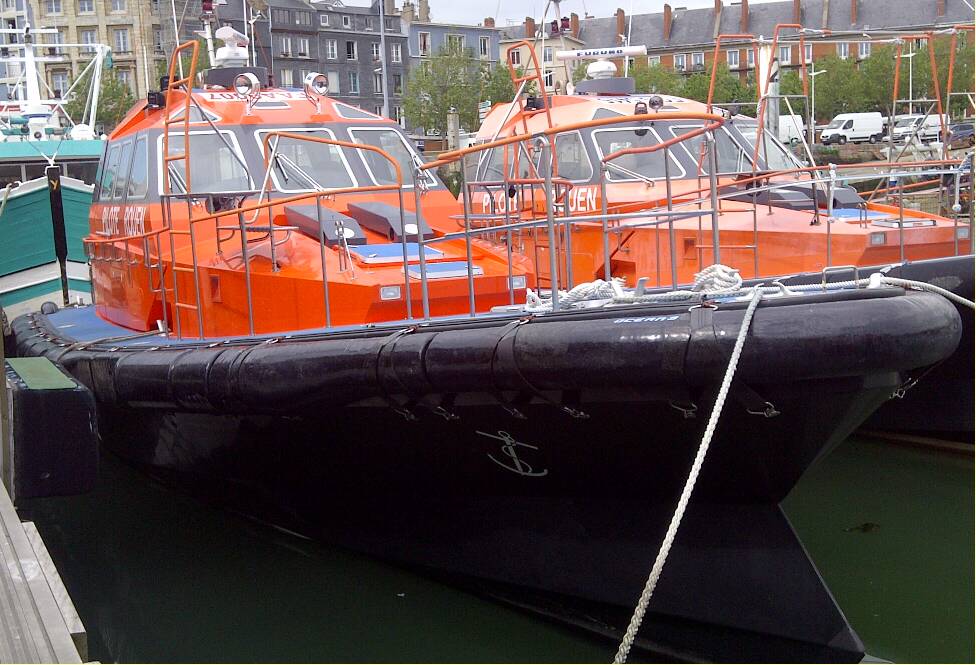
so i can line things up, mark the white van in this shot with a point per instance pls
(853, 127)
(791, 129)
(929, 127)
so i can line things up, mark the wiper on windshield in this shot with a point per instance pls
(281, 162)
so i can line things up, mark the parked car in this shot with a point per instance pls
(926, 128)
(853, 127)
(961, 134)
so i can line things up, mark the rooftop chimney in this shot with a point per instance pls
(389, 7)
(667, 22)
(407, 12)
(423, 11)
(744, 17)
(853, 12)
(490, 22)
(529, 27)
(574, 24)
(621, 24)
(940, 8)
(797, 11)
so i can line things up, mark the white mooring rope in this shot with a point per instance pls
(679, 511)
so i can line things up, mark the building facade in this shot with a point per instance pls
(559, 35)
(132, 28)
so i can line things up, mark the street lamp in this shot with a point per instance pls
(911, 96)
(813, 102)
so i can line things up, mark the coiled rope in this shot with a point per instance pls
(679, 511)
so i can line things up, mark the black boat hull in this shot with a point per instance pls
(544, 457)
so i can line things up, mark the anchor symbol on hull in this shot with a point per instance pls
(515, 464)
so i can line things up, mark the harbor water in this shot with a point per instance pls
(159, 577)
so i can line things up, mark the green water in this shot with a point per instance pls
(158, 577)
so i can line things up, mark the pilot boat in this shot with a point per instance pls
(294, 315)
(690, 197)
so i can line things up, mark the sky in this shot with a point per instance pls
(474, 11)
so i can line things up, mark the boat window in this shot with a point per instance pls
(352, 113)
(122, 173)
(380, 169)
(214, 167)
(139, 178)
(628, 167)
(195, 115)
(773, 153)
(108, 174)
(491, 166)
(10, 173)
(730, 156)
(84, 171)
(306, 165)
(572, 162)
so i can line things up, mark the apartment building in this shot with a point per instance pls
(132, 28)
(684, 39)
(562, 34)
(426, 37)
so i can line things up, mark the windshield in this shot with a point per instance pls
(392, 142)
(907, 122)
(730, 156)
(777, 157)
(303, 165)
(835, 123)
(214, 167)
(628, 167)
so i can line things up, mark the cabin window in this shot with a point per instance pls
(775, 155)
(648, 165)
(730, 156)
(139, 176)
(380, 170)
(108, 173)
(572, 162)
(302, 166)
(122, 174)
(216, 164)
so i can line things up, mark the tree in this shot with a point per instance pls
(840, 89)
(579, 72)
(790, 83)
(203, 62)
(114, 100)
(657, 79)
(452, 78)
(498, 87)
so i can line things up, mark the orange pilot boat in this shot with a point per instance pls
(295, 315)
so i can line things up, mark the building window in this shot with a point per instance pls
(750, 58)
(333, 82)
(808, 53)
(353, 83)
(396, 53)
(89, 37)
(303, 51)
(455, 42)
(120, 39)
(352, 51)
(125, 77)
(398, 115)
(515, 57)
(369, 22)
(324, 20)
(698, 60)
(86, 6)
(303, 18)
(55, 38)
(653, 61)
(157, 40)
(863, 50)
(680, 61)
(547, 54)
(843, 51)
(785, 53)
(732, 57)
(53, 6)
(484, 46)
(377, 83)
(59, 83)
(279, 15)
(285, 46)
(398, 84)
(374, 51)
(302, 75)
(331, 49)
(346, 22)
(548, 79)
(423, 43)
(118, 5)
(286, 78)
